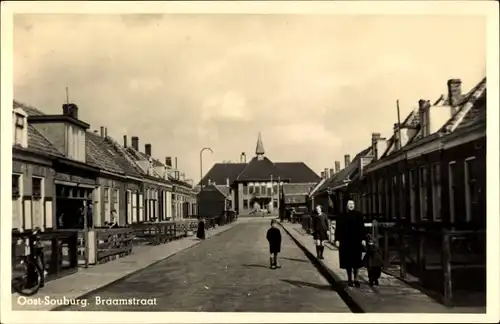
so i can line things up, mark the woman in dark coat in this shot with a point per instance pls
(273, 236)
(350, 233)
(200, 233)
(320, 231)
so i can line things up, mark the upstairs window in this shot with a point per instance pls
(36, 185)
(423, 193)
(20, 130)
(16, 186)
(436, 191)
(471, 187)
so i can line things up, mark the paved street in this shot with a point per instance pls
(228, 272)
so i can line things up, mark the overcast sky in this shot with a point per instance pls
(315, 86)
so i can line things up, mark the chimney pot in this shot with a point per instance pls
(326, 173)
(105, 132)
(454, 91)
(71, 110)
(375, 136)
(331, 172)
(102, 131)
(168, 161)
(176, 163)
(323, 175)
(347, 160)
(422, 104)
(147, 149)
(124, 140)
(135, 143)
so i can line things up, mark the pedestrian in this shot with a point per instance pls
(200, 233)
(114, 222)
(350, 235)
(274, 238)
(320, 231)
(373, 262)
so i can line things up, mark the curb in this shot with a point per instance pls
(63, 307)
(330, 276)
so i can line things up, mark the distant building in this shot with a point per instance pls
(259, 182)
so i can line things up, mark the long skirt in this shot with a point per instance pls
(350, 257)
(201, 231)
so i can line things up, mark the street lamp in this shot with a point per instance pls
(201, 164)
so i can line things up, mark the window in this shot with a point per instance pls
(374, 197)
(251, 189)
(245, 204)
(141, 208)
(128, 197)
(16, 186)
(263, 189)
(36, 185)
(388, 211)
(269, 191)
(107, 209)
(275, 189)
(20, 120)
(423, 192)
(135, 212)
(402, 197)
(380, 195)
(245, 189)
(436, 191)
(116, 200)
(452, 188)
(394, 197)
(257, 189)
(413, 195)
(17, 211)
(471, 187)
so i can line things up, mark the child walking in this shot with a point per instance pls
(274, 238)
(373, 261)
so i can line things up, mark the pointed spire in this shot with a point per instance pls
(259, 150)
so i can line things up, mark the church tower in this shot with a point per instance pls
(259, 150)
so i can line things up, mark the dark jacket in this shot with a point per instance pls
(274, 238)
(200, 233)
(373, 257)
(350, 232)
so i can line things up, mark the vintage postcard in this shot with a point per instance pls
(243, 162)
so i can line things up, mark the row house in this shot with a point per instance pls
(433, 172)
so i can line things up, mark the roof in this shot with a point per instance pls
(31, 111)
(297, 188)
(470, 109)
(221, 171)
(98, 154)
(339, 177)
(223, 189)
(39, 144)
(297, 172)
(258, 169)
(121, 158)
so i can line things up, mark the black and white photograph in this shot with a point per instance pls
(274, 161)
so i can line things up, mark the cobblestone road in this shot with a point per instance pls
(227, 273)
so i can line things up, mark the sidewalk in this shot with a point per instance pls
(89, 279)
(392, 296)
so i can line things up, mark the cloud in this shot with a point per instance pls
(315, 86)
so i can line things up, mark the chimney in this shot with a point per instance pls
(135, 143)
(347, 160)
(331, 172)
(337, 166)
(102, 131)
(323, 175)
(105, 132)
(227, 182)
(168, 161)
(423, 109)
(176, 163)
(125, 141)
(147, 149)
(375, 139)
(209, 182)
(454, 91)
(243, 157)
(70, 110)
(326, 173)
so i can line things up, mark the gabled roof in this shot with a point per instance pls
(99, 154)
(297, 188)
(31, 111)
(258, 169)
(39, 144)
(223, 190)
(221, 171)
(468, 111)
(297, 172)
(344, 174)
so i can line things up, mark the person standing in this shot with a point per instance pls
(320, 231)
(349, 235)
(273, 236)
(200, 233)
